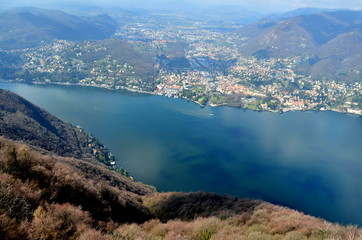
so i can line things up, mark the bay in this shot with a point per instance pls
(309, 161)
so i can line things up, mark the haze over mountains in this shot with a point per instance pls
(299, 12)
(332, 41)
(27, 27)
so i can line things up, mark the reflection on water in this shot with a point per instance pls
(306, 160)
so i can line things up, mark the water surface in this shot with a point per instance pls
(305, 160)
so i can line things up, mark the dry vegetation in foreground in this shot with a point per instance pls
(47, 197)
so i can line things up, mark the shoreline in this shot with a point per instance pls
(172, 101)
(196, 102)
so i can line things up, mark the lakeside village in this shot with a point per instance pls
(197, 65)
(237, 89)
(251, 83)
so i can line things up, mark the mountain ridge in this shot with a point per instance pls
(327, 38)
(28, 27)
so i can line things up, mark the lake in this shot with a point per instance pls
(309, 161)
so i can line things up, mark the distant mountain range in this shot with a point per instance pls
(332, 40)
(225, 13)
(27, 27)
(298, 12)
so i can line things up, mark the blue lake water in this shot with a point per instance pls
(309, 161)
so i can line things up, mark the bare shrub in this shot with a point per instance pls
(130, 232)
(229, 231)
(10, 229)
(19, 161)
(242, 219)
(173, 229)
(258, 236)
(205, 228)
(57, 221)
(16, 199)
(284, 220)
(296, 236)
(150, 225)
(92, 234)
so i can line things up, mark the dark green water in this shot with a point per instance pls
(305, 160)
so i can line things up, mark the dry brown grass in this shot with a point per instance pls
(92, 234)
(38, 178)
(48, 197)
(266, 222)
(57, 221)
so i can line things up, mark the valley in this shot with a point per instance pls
(97, 102)
(235, 66)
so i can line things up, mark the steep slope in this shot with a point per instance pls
(278, 39)
(22, 121)
(340, 57)
(32, 184)
(281, 38)
(27, 27)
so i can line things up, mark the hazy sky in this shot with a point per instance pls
(258, 5)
